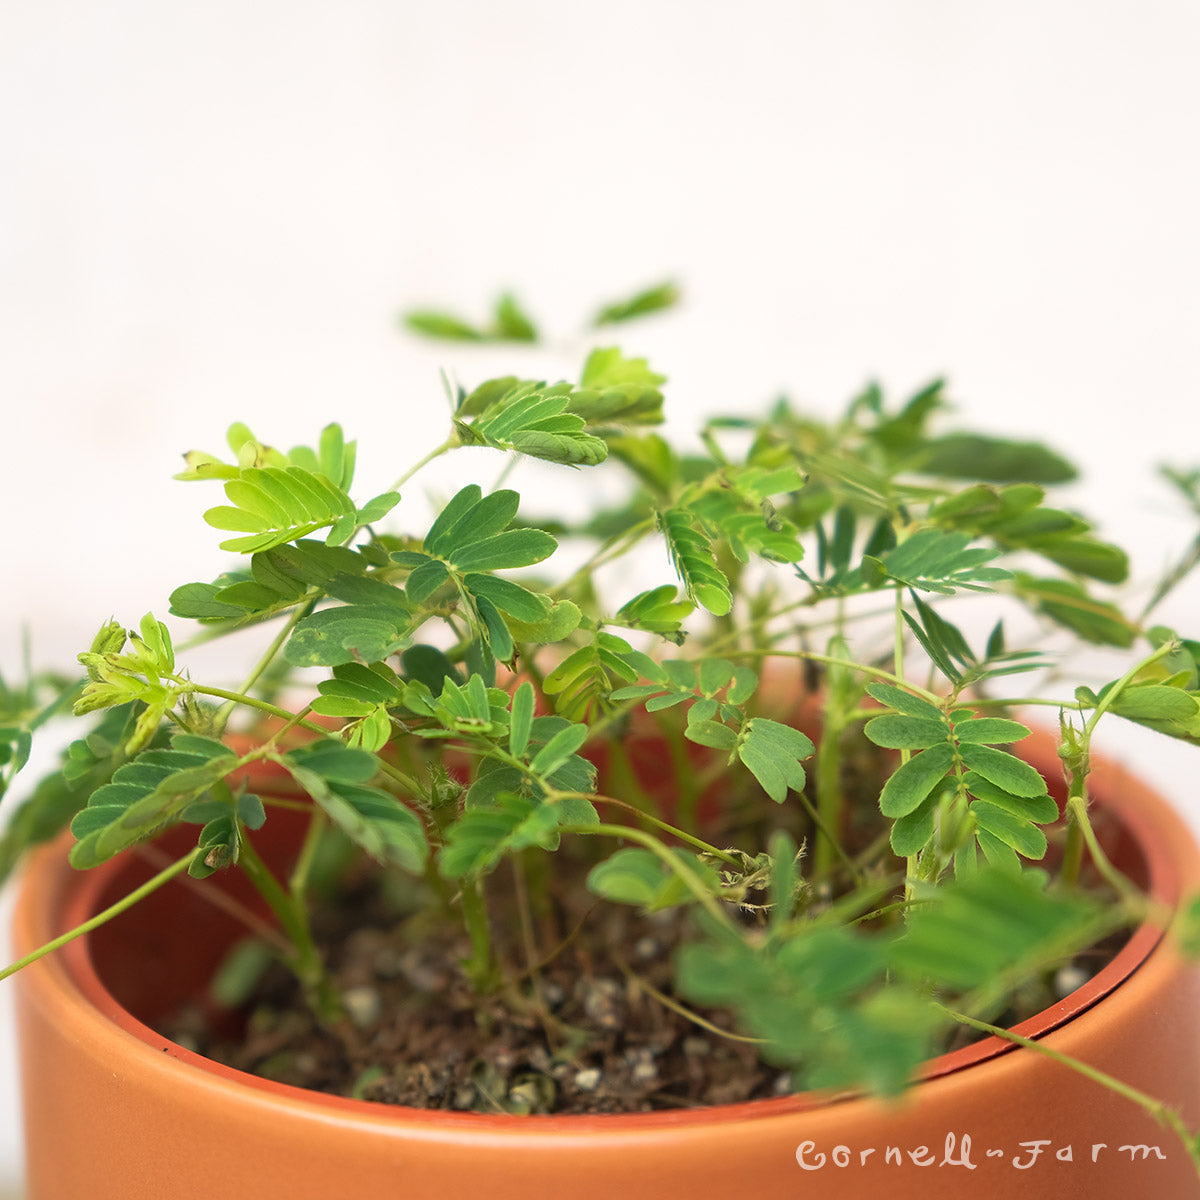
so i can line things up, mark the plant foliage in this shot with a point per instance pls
(519, 714)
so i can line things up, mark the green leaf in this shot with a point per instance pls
(511, 598)
(481, 837)
(1011, 774)
(521, 721)
(430, 666)
(1068, 604)
(1154, 702)
(1022, 835)
(912, 832)
(936, 561)
(904, 702)
(658, 611)
(977, 929)
(513, 548)
(905, 732)
(443, 325)
(636, 876)
(1042, 810)
(511, 322)
(377, 822)
(993, 460)
(607, 367)
(441, 535)
(332, 636)
(425, 580)
(278, 505)
(630, 876)
(145, 796)
(536, 421)
(583, 681)
(712, 734)
(559, 749)
(650, 300)
(560, 621)
(772, 752)
(911, 782)
(332, 761)
(990, 730)
(694, 561)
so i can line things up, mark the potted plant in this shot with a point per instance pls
(493, 873)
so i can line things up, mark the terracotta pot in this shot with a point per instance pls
(116, 1112)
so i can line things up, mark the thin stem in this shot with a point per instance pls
(405, 780)
(912, 865)
(1111, 695)
(691, 880)
(449, 444)
(861, 668)
(613, 548)
(681, 834)
(262, 705)
(265, 661)
(293, 917)
(1161, 1112)
(1077, 811)
(298, 880)
(113, 910)
(682, 1010)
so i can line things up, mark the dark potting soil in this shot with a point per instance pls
(588, 1032)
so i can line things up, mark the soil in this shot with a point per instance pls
(588, 1032)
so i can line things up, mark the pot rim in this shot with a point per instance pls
(1172, 859)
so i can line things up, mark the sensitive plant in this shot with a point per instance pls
(858, 862)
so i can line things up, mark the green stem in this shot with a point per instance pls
(912, 865)
(450, 443)
(1078, 815)
(480, 968)
(262, 705)
(114, 910)
(265, 661)
(1160, 1112)
(298, 880)
(1166, 648)
(641, 814)
(613, 548)
(405, 780)
(691, 880)
(861, 668)
(293, 918)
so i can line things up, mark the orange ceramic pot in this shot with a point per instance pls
(116, 1112)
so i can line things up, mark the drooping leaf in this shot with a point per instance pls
(695, 563)
(145, 796)
(773, 752)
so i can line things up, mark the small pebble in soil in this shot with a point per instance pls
(587, 1080)
(362, 1005)
(642, 1065)
(646, 949)
(602, 1002)
(552, 995)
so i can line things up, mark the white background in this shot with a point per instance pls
(214, 212)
